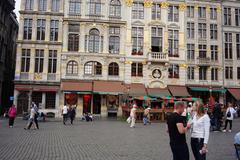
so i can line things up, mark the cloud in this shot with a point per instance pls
(17, 8)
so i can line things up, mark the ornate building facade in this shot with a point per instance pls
(88, 53)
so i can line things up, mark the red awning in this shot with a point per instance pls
(179, 91)
(40, 88)
(235, 92)
(136, 89)
(108, 87)
(76, 86)
(158, 92)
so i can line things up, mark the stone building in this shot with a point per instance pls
(8, 36)
(91, 54)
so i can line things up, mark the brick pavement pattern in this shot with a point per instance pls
(100, 140)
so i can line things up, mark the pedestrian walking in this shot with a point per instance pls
(72, 113)
(146, 116)
(65, 114)
(217, 115)
(229, 115)
(177, 132)
(12, 112)
(200, 132)
(31, 119)
(133, 115)
(36, 109)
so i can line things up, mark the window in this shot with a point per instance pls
(94, 41)
(238, 45)
(190, 51)
(95, 7)
(42, 5)
(213, 31)
(202, 30)
(27, 29)
(228, 45)
(202, 51)
(54, 30)
(25, 62)
(190, 73)
(213, 13)
(238, 73)
(214, 53)
(37, 97)
(50, 100)
(137, 69)
(39, 57)
(73, 37)
(237, 17)
(229, 72)
(29, 5)
(41, 26)
(138, 10)
(173, 13)
(214, 74)
(93, 68)
(173, 71)
(190, 30)
(52, 61)
(113, 69)
(227, 16)
(157, 39)
(173, 43)
(190, 11)
(74, 7)
(137, 39)
(114, 39)
(202, 73)
(156, 11)
(72, 68)
(115, 8)
(201, 12)
(55, 5)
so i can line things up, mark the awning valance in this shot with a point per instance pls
(76, 86)
(179, 91)
(108, 87)
(37, 88)
(158, 92)
(235, 92)
(208, 89)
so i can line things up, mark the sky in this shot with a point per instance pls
(17, 8)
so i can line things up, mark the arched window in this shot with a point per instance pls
(72, 67)
(93, 68)
(115, 9)
(113, 69)
(94, 41)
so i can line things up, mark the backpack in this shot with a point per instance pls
(229, 114)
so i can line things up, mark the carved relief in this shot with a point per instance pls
(164, 5)
(129, 3)
(148, 3)
(182, 7)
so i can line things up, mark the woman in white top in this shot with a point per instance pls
(200, 132)
(229, 117)
(133, 115)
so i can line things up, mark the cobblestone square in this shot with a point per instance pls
(100, 140)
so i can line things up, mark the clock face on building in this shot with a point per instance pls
(156, 73)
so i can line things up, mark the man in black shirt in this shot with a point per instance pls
(177, 132)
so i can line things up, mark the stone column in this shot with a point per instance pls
(22, 6)
(60, 31)
(32, 64)
(82, 38)
(61, 103)
(47, 32)
(29, 99)
(16, 93)
(43, 100)
(18, 62)
(79, 110)
(49, 5)
(65, 36)
(35, 7)
(119, 112)
(34, 28)
(45, 64)
(21, 25)
(103, 106)
(57, 100)
(105, 38)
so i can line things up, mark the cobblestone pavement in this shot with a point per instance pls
(100, 140)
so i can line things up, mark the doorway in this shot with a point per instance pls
(22, 103)
(96, 104)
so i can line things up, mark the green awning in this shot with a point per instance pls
(206, 89)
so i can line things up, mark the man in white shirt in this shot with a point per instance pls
(65, 113)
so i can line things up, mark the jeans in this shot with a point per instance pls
(133, 121)
(31, 123)
(65, 116)
(11, 121)
(180, 151)
(197, 144)
(145, 120)
(217, 123)
(226, 124)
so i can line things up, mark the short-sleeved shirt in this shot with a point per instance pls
(176, 138)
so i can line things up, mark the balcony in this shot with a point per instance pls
(157, 57)
(204, 61)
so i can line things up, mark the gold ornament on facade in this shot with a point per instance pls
(164, 5)
(182, 7)
(148, 3)
(183, 65)
(208, 8)
(219, 9)
(129, 3)
(37, 76)
(196, 7)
